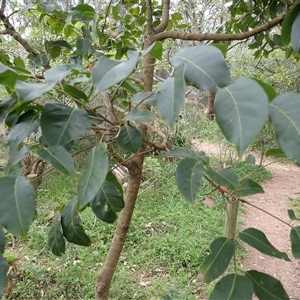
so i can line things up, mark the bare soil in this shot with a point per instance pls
(284, 186)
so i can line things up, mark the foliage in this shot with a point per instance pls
(57, 102)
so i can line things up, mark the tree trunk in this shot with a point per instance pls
(103, 280)
(211, 106)
(231, 218)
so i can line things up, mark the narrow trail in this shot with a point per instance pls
(284, 186)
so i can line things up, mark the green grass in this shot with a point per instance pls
(166, 244)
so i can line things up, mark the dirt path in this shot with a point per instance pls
(284, 186)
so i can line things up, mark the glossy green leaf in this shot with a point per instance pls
(27, 123)
(62, 44)
(74, 92)
(8, 77)
(233, 287)
(145, 98)
(58, 73)
(287, 24)
(258, 240)
(215, 264)
(241, 111)
(284, 114)
(295, 33)
(14, 166)
(157, 51)
(83, 8)
(188, 177)
(47, 8)
(249, 187)
(96, 168)
(72, 225)
(2, 240)
(37, 60)
(180, 152)
(223, 177)
(275, 152)
(83, 46)
(130, 138)
(170, 97)
(3, 272)
(61, 124)
(5, 106)
(266, 286)
(56, 240)
(107, 203)
(28, 91)
(107, 72)
(205, 67)
(58, 157)
(17, 204)
(139, 115)
(269, 90)
(295, 241)
(250, 159)
(112, 178)
(292, 215)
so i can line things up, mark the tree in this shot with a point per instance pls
(55, 93)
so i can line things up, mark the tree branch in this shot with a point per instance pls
(165, 17)
(149, 16)
(10, 29)
(219, 37)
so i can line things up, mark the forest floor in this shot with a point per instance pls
(280, 193)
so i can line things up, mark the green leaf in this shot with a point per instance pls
(275, 152)
(250, 159)
(295, 33)
(3, 272)
(58, 157)
(295, 240)
(139, 115)
(130, 138)
(27, 123)
(214, 265)
(145, 98)
(29, 91)
(188, 177)
(249, 187)
(58, 73)
(17, 204)
(156, 51)
(269, 90)
(83, 8)
(2, 240)
(108, 202)
(292, 215)
(233, 287)
(96, 168)
(107, 72)
(170, 97)
(83, 46)
(8, 77)
(74, 92)
(241, 111)
(5, 106)
(180, 152)
(56, 240)
(223, 177)
(72, 226)
(266, 286)
(37, 60)
(47, 8)
(205, 67)
(112, 178)
(14, 167)
(284, 113)
(258, 240)
(61, 124)
(287, 24)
